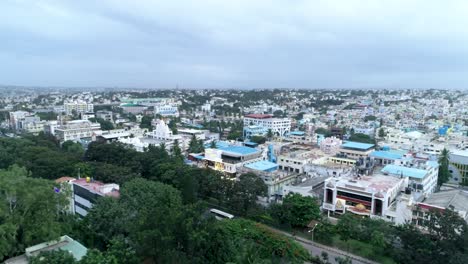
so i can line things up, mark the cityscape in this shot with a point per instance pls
(336, 171)
(233, 132)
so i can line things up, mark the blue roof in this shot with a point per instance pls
(407, 172)
(357, 145)
(297, 133)
(251, 143)
(386, 155)
(262, 165)
(239, 150)
(219, 144)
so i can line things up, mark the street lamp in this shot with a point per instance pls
(312, 231)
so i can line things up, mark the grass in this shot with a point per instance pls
(362, 249)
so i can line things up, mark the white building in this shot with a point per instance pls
(279, 126)
(87, 191)
(16, 117)
(331, 145)
(373, 196)
(78, 107)
(166, 110)
(76, 130)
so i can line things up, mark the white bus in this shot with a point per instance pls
(220, 215)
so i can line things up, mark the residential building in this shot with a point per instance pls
(16, 117)
(86, 192)
(76, 129)
(78, 107)
(105, 115)
(454, 199)
(279, 126)
(331, 145)
(355, 150)
(458, 166)
(229, 158)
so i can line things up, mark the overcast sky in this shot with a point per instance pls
(235, 43)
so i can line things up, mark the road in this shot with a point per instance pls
(316, 249)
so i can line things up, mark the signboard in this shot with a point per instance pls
(213, 154)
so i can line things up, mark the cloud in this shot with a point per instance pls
(242, 43)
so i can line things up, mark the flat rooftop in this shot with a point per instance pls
(370, 184)
(357, 145)
(259, 116)
(382, 154)
(405, 171)
(239, 150)
(444, 199)
(99, 187)
(262, 165)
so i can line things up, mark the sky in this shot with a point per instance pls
(235, 43)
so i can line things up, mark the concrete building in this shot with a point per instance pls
(105, 115)
(76, 130)
(65, 243)
(87, 191)
(355, 150)
(458, 166)
(166, 110)
(279, 126)
(454, 199)
(78, 107)
(331, 145)
(229, 158)
(422, 175)
(371, 196)
(16, 117)
(295, 161)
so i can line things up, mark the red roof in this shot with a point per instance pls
(259, 116)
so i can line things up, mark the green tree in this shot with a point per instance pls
(269, 134)
(363, 138)
(30, 210)
(213, 144)
(444, 173)
(53, 257)
(105, 125)
(258, 139)
(146, 122)
(381, 133)
(297, 210)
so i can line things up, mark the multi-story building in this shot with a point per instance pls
(166, 110)
(86, 191)
(355, 150)
(330, 145)
(295, 161)
(16, 117)
(454, 199)
(458, 166)
(78, 107)
(279, 126)
(76, 130)
(372, 196)
(230, 158)
(422, 175)
(105, 115)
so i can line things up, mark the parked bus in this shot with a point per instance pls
(220, 215)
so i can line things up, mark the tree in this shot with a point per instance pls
(30, 210)
(105, 125)
(363, 138)
(297, 210)
(258, 139)
(53, 257)
(269, 134)
(381, 133)
(195, 145)
(243, 194)
(397, 117)
(278, 113)
(213, 144)
(444, 173)
(370, 118)
(146, 122)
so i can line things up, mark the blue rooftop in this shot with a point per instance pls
(357, 145)
(297, 133)
(262, 165)
(407, 172)
(241, 150)
(386, 155)
(219, 144)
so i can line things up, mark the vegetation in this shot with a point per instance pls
(444, 173)
(363, 138)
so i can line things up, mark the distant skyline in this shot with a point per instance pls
(234, 44)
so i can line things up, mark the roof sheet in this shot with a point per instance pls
(386, 155)
(297, 133)
(239, 150)
(262, 165)
(407, 172)
(357, 145)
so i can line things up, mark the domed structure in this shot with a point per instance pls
(360, 207)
